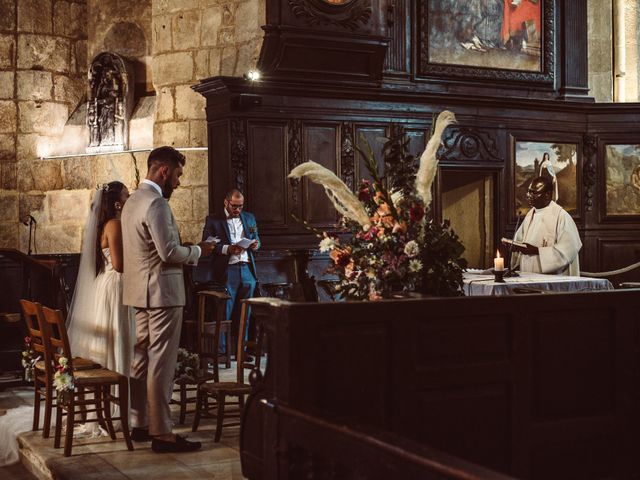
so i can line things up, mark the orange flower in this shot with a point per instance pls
(400, 227)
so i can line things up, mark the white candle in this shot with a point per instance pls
(498, 262)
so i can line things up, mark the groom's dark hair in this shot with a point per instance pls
(165, 155)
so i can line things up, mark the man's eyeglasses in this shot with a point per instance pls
(236, 207)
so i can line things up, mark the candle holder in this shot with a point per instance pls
(499, 276)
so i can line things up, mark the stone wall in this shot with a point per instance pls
(600, 45)
(42, 70)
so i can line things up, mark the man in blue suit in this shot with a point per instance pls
(233, 266)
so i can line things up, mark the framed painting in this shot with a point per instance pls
(558, 161)
(487, 39)
(622, 172)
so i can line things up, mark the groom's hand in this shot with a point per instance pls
(206, 248)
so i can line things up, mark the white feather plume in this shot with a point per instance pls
(345, 202)
(428, 161)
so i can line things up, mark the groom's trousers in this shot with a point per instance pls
(154, 362)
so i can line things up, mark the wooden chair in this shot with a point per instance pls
(207, 342)
(97, 381)
(221, 390)
(44, 368)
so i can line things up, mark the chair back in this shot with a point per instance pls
(55, 335)
(31, 312)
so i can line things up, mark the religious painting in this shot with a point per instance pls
(492, 39)
(557, 161)
(622, 165)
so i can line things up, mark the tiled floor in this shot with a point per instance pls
(102, 458)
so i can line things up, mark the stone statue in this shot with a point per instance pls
(110, 103)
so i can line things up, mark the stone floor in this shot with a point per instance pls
(103, 458)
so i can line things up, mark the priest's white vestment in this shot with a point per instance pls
(554, 232)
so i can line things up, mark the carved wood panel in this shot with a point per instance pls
(321, 146)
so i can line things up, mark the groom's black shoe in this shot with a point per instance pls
(140, 434)
(180, 445)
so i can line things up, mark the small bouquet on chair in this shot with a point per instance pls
(187, 365)
(29, 359)
(63, 381)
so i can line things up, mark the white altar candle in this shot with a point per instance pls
(498, 262)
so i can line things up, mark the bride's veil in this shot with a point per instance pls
(80, 322)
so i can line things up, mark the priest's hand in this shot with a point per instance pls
(528, 249)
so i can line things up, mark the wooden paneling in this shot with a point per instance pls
(320, 145)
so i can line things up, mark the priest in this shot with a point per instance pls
(548, 239)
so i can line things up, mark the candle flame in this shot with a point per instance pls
(498, 254)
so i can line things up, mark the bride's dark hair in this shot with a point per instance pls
(110, 195)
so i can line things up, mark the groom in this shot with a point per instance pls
(153, 284)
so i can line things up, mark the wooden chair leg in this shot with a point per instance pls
(83, 408)
(68, 439)
(123, 394)
(58, 430)
(106, 405)
(97, 396)
(48, 407)
(199, 405)
(241, 402)
(228, 351)
(183, 403)
(36, 406)
(219, 423)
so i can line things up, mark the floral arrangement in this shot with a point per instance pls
(63, 380)
(187, 365)
(393, 248)
(29, 359)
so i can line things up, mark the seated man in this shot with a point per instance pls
(549, 234)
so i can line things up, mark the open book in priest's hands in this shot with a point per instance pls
(508, 241)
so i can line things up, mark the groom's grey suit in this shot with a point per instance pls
(153, 284)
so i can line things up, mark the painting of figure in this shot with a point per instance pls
(622, 163)
(502, 34)
(558, 161)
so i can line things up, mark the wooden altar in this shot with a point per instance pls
(533, 386)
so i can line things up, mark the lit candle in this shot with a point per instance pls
(498, 262)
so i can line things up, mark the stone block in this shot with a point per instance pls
(8, 17)
(201, 63)
(32, 204)
(70, 90)
(191, 231)
(198, 133)
(68, 206)
(79, 57)
(9, 235)
(189, 103)
(141, 123)
(116, 166)
(195, 169)
(9, 175)
(200, 203)
(246, 60)
(141, 160)
(47, 175)
(229, 14)
(175, 134)
(59, 238)
(181, 203)
(228, 60)
(161, 7)
(7, 51)
(215, 58)
(32, 146)
(43, 117)
(161, 33)
(8, 116)
(226, 36)
(249, 27)
(172, 68)
(70, 19)
(34, 16)
(8, 205)
(165, 104)
(185, 29)
(7, 147)
(211, 21)
(34, 85)
(77, 173)
(7, 80)
(39, 52)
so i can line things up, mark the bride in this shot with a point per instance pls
(99, 325)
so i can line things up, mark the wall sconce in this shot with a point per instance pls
(252, 75)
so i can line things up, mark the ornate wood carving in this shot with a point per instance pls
(318, 13)
(467, 144)
(546, 76)
(347, 155)
(590, 148)
(295, 154)
(239, 155)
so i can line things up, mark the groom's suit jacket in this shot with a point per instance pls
(153, 255)
(216, 226)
